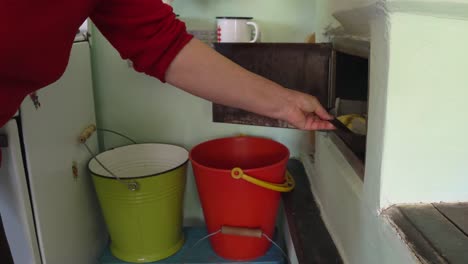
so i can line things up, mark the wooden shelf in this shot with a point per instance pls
(196, 251)
(437, 233)
(311, 239)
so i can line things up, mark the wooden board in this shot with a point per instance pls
(450, 242)
(456, 213)
(311, 239)
(435, 233)
(415, 240)
(300, 66)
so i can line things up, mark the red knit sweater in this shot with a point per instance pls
(36, 39)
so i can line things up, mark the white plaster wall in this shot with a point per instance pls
(361, 235)
(425, 144)
(279, 20)
(349, 206)
(456, 9)
(341, 5)
(416, 146)
(327, 9)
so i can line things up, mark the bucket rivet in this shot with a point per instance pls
(133, 186)
(237, 173)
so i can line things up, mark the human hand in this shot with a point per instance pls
(305, 112)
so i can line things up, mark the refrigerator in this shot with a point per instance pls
(48, 205)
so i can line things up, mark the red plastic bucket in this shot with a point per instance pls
(245, 198)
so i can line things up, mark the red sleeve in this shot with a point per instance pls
(144, 31)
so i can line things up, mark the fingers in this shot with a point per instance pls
(315, 122)
(308, 113)
(311, 121)
(317, 117)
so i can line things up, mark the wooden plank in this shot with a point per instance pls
(446, 238)
(311, 239)
(456, 213)
(415, 240)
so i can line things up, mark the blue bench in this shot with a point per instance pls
(201, 254)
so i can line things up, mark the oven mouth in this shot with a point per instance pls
(354, 141)
(350, 90)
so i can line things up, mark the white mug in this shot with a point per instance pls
(236, 29)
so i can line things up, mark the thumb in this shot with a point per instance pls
(310, 104)
(322, 113)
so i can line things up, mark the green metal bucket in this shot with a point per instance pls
(143, 209)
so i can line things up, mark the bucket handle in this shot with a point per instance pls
(241, 231)
(86, 134)
(287, 186)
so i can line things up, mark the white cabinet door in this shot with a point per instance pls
(68, 218)
(15, 206)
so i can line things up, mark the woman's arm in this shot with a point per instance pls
(201, 71)
(147, 32)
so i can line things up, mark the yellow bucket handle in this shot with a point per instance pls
(287, 186)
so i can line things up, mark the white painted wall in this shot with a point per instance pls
(425, 147)
(341, 5)
(279, 20)
(349, 206)
(352, 15)
(360, 234)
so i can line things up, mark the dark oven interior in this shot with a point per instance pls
(351, 88)
(336, 73)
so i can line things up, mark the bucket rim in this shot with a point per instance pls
(142, 176)
(246, 170)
